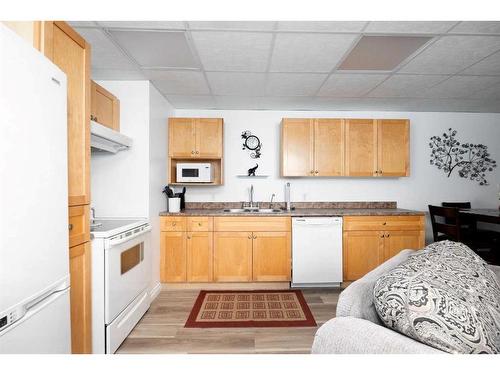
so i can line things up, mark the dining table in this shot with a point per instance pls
(485, 215)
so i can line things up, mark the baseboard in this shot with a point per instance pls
(155, 291)
(227, 286)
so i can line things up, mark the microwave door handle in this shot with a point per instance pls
(122, 240)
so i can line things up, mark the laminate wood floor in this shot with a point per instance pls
(161, 330)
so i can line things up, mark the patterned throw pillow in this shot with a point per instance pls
(444, 296)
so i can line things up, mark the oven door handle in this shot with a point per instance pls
(144, 230)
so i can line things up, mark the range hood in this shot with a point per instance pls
(105, 139)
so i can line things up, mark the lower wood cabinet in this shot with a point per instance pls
(197, 249)
(173, 257)
(366, 244)
(80, 297)
(232, 256)
(272, 256)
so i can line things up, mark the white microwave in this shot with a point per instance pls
(195, 172)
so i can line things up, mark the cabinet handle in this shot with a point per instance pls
(249, 237)
(70, 226)
(188, 237)
(254, 237)
(316, 172)
(388, 235)
(385, 223)
(380, 172)
(192, 152)
(376, 172)
(197, 152)
(312, 172)
(174, 224)
(382, 236)
(199, 224)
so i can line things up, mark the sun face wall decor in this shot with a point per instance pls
(471, 161)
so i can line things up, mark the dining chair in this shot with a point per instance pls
(445, 223)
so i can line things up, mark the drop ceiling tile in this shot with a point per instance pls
(489, 93)
(405, 85)
(477, 27)
(233, 83)
(459, 87)
(488, 66)
(309, 52)
(105, 54)
(117, 74)
(233, 51)
(350, 85)
(178, 82)
(232, 25)
(409, 27)
(292, 84)
(322, 26)
(296, 103)
(238, 102)
(450, 54)
(361, 104)
(454, 105)
(192, 101)
(156, 48)
(151, 25)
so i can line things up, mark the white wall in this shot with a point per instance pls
(120, 182)
(159, 112)
(426, 184)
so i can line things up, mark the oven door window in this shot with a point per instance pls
(190, 172)
(131, 258)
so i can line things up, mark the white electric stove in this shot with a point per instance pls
(121, 274)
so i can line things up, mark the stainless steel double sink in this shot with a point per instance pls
(254, 210)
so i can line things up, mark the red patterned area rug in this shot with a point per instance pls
(256, 308)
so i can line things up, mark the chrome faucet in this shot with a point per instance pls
(250, 203)
(271, 202)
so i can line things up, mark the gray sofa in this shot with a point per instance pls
(357, 329)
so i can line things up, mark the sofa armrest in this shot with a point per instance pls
(347, 335)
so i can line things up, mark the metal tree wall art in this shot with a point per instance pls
(471, 161)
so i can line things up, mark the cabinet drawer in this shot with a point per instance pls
(173, 224)
(79, 225)
(383, 223)
(200, 224)
(252, 224)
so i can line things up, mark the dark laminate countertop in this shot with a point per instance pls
(300, 212)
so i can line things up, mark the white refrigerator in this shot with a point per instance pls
(34, 265)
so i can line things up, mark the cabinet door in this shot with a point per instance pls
(181, 137)
(80, 297)
(71, 53)
(199, 256)
(105, 107)
(395, 241)
(329, 147)
(361, 147)
(363, 251)
(232, 256)
(393, 147)
(297, 151)
(173, 257)
(208, 138)
(271, 256)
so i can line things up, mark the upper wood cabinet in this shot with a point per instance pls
(105, 107)
(345, 147)
(393, 156)
(329, 147)
(71, 53)
(195, 138)
(297, 147)
(361, 147)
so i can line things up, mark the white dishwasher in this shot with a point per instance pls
(316, 251)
